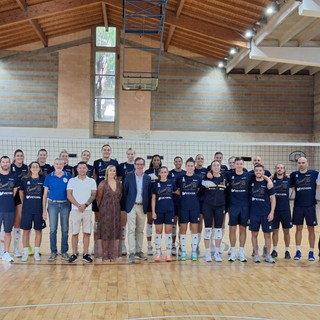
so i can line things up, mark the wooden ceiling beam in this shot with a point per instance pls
(22, 4)
(105, 16)
(36, 27)
(179, 7)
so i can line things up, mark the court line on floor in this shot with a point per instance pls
(192, 316)
(62, 304)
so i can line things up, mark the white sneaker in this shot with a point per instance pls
(16, 253)
(269, 259)
(6, 257)
(150, 251)
(233, 256)
(208, 257)
(217, 257)
(242, 257)
(37, 257)
(25, 258)
(256, 259)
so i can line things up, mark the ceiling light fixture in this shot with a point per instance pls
(221, 64)
(233, 51)
(249, 34)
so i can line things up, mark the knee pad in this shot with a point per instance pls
(217, 234)
(207, 233)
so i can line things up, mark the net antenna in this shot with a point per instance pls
(295, 155)
(142, 18)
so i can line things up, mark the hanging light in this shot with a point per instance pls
(139, 95)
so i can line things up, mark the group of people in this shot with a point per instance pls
(124, 196)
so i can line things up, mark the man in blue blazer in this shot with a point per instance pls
(137, 195)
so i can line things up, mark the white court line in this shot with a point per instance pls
(63, 304)
(192, 316)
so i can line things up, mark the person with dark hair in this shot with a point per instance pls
(305, 181)
(8, 189)
(175, 174)
(282, 184)
(20, 169)
(263, 203)
(42, 159)
(214, 207)
(81, 191)
(163, 211)
(31, 194)
(153, 172)
(123, 169)
(189, 185)
(137, 194)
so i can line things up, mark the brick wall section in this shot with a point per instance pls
(195, 100)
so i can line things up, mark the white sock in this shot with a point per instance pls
(183, 242)
(149, 230)
(123, 233)
(25, 251)
(194, 241)
(174, 230)
(298, 248)
(16, 238)
(149, 244)
(168, 244)
(36, 250)
(157, 242)
(199, 238)
(275, 248)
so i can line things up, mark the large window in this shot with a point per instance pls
(105, 74)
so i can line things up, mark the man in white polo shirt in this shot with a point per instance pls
(81, 192)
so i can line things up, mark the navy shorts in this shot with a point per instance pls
(239, 216)
(186, 216)
(301, 213)
(7, 218)
(284, 217)
(27, 219)
(257, 221)
(213, 215)
(164, 218)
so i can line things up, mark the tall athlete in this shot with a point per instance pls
(263, 203)
(175, 174)
(163, 211)
(152, 172)
(42, 159)
(214, 209)
(304, 182)
(123, 169)
(8, 189)
(20, 169)
(85, 157)
(282, 213)
(189, 185)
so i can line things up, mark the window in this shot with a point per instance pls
(105, 86)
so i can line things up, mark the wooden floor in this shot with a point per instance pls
(178, 290)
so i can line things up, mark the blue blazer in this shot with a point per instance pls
(130, 192)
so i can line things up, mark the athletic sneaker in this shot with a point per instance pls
(242, 257)
(183, 256)
(140, 256)
(287, 255)
(274, 254)
(253, 253)
(25, 258)
(132, 258)
(173, 250)
(73, 258)
(65, 256)
(157, 259)
(217, 257)
(150, 251)
(87, 258)
(53, 257)
(6, 257)
(269, 259)
(232, 257)
(30, 251)
(37, 257)
(168, 259)
(298, 255)
(264, 254)
(124, 250)
(256, 259)
(16, 253)
(194, 256)
(311, 256)
(208, 257)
